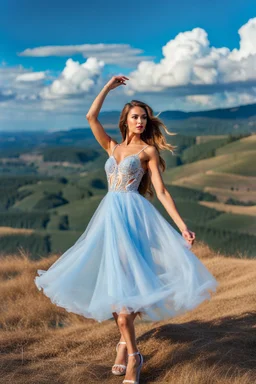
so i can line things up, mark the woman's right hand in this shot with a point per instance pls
(116, 81)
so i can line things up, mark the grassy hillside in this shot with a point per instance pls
(229, 174)
(234, 209)
(207, 192)
(224, 163)
(244, 195)
(245, 144)
(242, 163)
(213, 344)
(79, 211)
(240, 223)
(212, 179)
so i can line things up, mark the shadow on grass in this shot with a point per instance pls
(229, 342)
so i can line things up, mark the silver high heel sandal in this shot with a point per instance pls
(138, 369)
(116, 371)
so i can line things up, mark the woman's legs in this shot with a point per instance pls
(125, 324)
(116, 320)
(121, 357)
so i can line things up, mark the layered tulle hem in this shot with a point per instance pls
(156, 307)
(129, 259)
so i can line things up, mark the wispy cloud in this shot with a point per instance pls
(18, 84)
(118, 54)
(31, 76)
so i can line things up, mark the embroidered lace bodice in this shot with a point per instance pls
(125, 176)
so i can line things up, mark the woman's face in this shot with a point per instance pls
(137, 119)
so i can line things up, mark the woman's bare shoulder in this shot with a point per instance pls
(151, 150)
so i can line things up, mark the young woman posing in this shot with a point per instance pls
(130, 261)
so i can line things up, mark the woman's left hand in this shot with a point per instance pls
(189, 236)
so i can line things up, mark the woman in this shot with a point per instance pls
(130, 261)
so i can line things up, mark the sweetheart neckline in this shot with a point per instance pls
(134, 155)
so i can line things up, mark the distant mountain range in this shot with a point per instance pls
(240, 112)
(238, 120)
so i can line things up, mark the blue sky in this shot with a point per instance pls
(55, 56)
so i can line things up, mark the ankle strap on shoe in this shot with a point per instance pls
(133, 354)
(120, 342)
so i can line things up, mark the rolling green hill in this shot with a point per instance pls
(237, 223)
(245, 144)
(200, 189)
(79, 211)
(229, 174)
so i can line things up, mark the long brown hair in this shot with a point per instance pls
(152, 135)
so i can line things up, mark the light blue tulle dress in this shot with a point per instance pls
(129, 258)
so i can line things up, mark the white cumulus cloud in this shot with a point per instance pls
(247, 35)
(190, 61)
(75, 79)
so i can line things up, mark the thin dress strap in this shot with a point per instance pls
(114, 149)
(143, 149)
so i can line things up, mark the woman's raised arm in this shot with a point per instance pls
(92, 115)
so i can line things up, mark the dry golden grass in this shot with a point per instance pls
(215, 343)
(13, 231)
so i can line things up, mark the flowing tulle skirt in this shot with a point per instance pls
(129, 259)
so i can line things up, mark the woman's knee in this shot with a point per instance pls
(123, 320)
